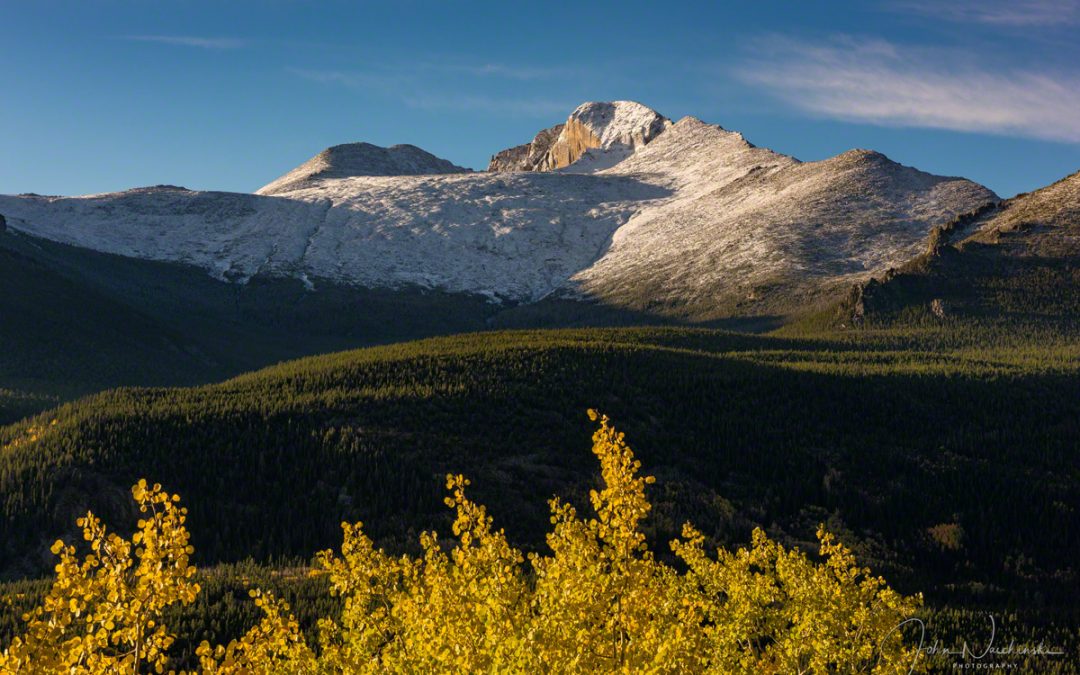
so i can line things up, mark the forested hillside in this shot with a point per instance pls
(599, 602)
(952, 470)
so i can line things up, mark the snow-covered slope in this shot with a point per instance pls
(232, 235)
(361, 159)
(749, 231)
(694, 221)
(513, 236)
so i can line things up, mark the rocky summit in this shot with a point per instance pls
(595, 136)
(529, 156)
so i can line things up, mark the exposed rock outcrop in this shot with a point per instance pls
(614, 129)
(596, 136)
(529, 156)
(361, 159)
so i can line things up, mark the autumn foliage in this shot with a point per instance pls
(599, 601)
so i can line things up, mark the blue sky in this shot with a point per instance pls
(101, 95)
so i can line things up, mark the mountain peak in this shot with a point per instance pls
(863, 155)
(361, 159)
(626, 122)
(596, 135)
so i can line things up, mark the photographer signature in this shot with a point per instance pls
(966, 652)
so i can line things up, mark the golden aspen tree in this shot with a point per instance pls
(274, 645)
(771, 610)
(598, 602)
(103, 613)
(604, 603)
(459, 611)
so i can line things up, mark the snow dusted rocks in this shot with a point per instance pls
(596, 136)
(1049, 217)
(686, 220)
(361, 159)
(507, 236)
(751, 232)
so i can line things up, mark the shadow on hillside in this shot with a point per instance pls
(554, 312)
(270, 464)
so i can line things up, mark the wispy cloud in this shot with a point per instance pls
(531, 107)
(879, 82)
(418, 69)
(1006, 13)
(503, 70)
(418, 91)
(190, 41)
(339, 77)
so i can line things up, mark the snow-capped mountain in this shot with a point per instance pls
(623, 206)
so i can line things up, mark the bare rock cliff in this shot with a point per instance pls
(604, 133)
(526, 157)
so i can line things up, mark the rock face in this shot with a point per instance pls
(596, 136)
(3, 223)
(529, 156)
(616, 129)
(361, 159)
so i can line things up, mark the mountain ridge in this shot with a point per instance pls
(1013, 260)
(601, 228)
(787, 232)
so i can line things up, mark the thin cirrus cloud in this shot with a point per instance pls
(877, 82)
(424, 68)
(504, 71)
(190, 41)
(416, 92)
(339, 77)
(521, 107)
(1003, 13)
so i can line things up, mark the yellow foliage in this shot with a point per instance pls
(31, 435)
(274, 645)
(103, 613)
(599, 602)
